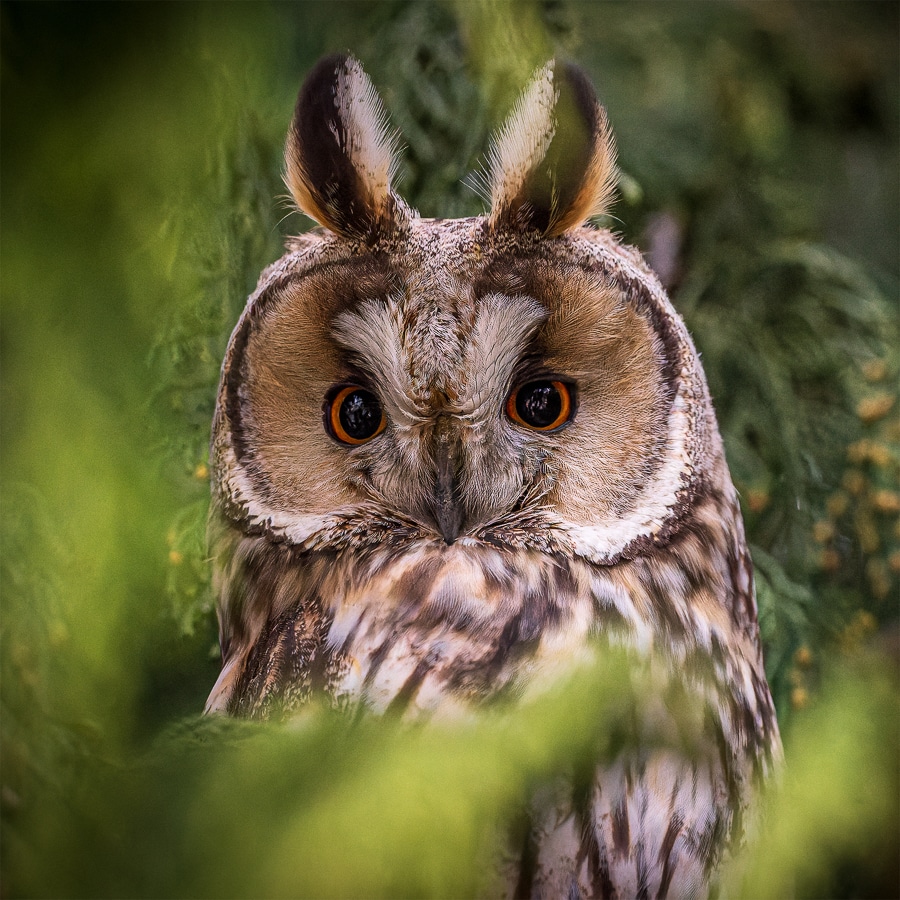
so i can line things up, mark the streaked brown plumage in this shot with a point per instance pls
(443, 541)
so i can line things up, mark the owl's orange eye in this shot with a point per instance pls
(354, 415)
(540, 405)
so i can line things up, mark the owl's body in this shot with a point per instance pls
(454, 458)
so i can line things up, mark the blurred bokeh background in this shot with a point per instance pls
(141, 196)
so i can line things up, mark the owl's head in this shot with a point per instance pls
(517, 378)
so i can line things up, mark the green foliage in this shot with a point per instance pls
(142, 173)
(831, 827)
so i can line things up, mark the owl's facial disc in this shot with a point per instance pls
(457, 403)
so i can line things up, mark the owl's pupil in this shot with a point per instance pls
(360, 414)
(539, 404)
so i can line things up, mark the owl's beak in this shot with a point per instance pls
(447, 508)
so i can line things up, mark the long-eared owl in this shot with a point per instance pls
(450, 454)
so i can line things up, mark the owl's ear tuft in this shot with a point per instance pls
(340, 155)
(553, 163)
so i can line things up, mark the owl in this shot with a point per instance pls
(449, 455)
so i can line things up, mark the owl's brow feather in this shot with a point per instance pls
(384, 339)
